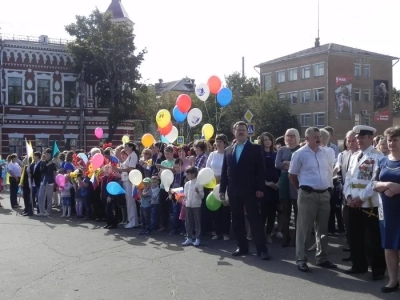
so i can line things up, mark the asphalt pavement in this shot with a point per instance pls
(54, 258)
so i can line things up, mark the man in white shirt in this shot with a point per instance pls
(310, 172)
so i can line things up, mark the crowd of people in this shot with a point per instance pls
(354, 192)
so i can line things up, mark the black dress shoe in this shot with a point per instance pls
(328, 265)
(112, 226)
(106, 226)
(346, 249)
(240, 252)
(386, 289)
(346, 258)
(303, 267)
(376, 277)
(264, 256)
(355, 271)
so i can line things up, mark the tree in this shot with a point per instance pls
(106, 52)
(396, 100)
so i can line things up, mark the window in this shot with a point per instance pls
(14, 91)
(357, 94)
(43, 92)
(42, 145)
(305, 120)
(367, 120)
(282, 96)
(292, 73)
(305, 96)
(367, 71)
(71, 144)
(367, 95)
(357, 70)
(319, 119)
(267, 81)
(293, 97)
(319, 94)
(15, 145)
(319, 69)
(305, 72)
(69, 93)
(280, 76)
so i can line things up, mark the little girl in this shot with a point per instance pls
(66, 197)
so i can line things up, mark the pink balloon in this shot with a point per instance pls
(60, 180)
(98, 132)
(97, 161)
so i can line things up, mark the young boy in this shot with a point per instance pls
(155, 203)
(109, 200)
(193, 196)
(179, 181)
(145, 206)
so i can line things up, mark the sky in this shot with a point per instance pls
(199, 39)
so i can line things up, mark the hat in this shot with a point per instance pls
(147, 180)
(364, 130)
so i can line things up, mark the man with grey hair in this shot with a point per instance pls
(310, 172)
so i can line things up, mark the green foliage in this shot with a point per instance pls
(106, 52)
(396, 100)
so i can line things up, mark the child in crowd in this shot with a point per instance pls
(155, 202)
(65, 192)
(85, 188)
(179, 181)
(109, 200)
(145, 206)
(193, 197)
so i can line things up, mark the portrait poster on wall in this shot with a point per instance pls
(343, 100)
(381, 94)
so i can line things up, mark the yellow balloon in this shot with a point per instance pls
(147, 140)
(211, 184)
(208, 131)
(163, 117)
(125, 139)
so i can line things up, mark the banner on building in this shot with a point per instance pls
(381, 94)
(343, 101)
(381, 116)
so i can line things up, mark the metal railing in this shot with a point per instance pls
(36, 39)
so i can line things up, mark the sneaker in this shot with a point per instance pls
(279, 235)
(226, 237)
(63, 216)
(216, 237)
(196, 242)
(46, 214)
(68, 216)
(187, 242)
(39, 215)
(269, 239)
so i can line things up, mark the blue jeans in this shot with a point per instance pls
(155, 216)
(86, 205)
(145, 213)
(177, 225)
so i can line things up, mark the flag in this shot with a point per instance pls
(55, 148)
(29, 149)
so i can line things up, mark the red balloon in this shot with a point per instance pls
(214, 83)
(184, 103)
(165, 130)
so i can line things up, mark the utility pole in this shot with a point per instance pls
(82, 109)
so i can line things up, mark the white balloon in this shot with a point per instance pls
(173, 135)
(202, 91)
(135, 177)
(205, 176)
(194, 117)
(167, 177)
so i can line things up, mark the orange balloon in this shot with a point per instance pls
(147, 140)
(167, 129)
(214, 83)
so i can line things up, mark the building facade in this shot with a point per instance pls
(40, 101)
(334, 85)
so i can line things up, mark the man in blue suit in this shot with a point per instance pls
(243, 176)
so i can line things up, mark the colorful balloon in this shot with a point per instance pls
(167, 178)
(97, 161)
(214, 83)
(135, 177)
(148, 140)
(178, 115)
(194, 117)
(164, 140)
(205, 176)
(202, 91)
(224, 97)
(167, 129)
(125, 139)
(211, 184)
(98, 132)
(163, 117)
(184, 103)
(173, 135)
(212, 203)
(114, 188)
(60, 180)
(207, 131)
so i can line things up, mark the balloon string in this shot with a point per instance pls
(188, 134)
(216, 114)
(207, 111)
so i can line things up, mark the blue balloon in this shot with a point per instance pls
(178, 115)
(164, 140)
(114, 188)
(224, 97)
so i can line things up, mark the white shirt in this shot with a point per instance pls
(215, 161)
(15, 169)
(313, 169)
(193, 199)
(130, 162)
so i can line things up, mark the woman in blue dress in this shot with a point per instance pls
(387, 185)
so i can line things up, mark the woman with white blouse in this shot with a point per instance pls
(215, 160)
(14, 172)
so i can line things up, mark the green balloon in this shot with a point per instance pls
(212, 203)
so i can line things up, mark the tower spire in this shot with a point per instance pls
(317, 44)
